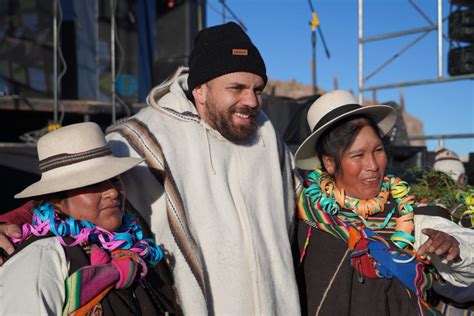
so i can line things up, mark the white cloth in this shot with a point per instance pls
(460, 273)
(239, 205)
(32, 281)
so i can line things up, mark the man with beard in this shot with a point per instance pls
(218, 187)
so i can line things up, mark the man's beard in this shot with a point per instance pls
(222, 122)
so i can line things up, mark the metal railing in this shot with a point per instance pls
(441, 137)
(423, 30)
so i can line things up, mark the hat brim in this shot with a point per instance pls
(79, 175)
(306, 157)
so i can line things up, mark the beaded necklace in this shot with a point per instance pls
(326, 197)
(128, 236)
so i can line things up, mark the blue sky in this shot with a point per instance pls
(280, 29)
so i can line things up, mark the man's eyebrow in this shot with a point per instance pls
(237, 84)
(245, 86)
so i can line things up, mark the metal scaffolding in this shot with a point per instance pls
(422, 31)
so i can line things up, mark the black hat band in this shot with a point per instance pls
(335, 114)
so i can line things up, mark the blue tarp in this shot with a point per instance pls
(146, 19)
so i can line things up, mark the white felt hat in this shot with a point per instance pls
(75, 156)
(331, 108)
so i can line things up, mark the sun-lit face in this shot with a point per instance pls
(230, 104)
(101, 204)
(362, 166)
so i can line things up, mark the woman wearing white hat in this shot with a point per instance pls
(81, 253)
(356, 229)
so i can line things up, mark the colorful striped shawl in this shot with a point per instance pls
(86, 287)
(371, 255)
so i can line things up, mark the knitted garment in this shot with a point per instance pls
(86, 287)
(370, 254)
(116, 257)
(220, 50)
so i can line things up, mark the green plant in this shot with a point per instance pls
(435, 187)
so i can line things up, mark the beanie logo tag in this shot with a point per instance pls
(240, 52)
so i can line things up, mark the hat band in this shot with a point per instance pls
(448, 158)
(336, 113)
(62, 160)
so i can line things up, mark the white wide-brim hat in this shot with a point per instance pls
(73, 157)
(331, 108)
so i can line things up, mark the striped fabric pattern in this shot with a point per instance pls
(322, 220)
(371, 255)
(62, 160)
(146, 145)
(449, 310)
(86, 287)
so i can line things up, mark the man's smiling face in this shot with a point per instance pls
(230, 104)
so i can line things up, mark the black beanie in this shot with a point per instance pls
(220, 50)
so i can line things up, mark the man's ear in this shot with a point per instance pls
(199, 94)
(329, 165)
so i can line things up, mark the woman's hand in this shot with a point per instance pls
(440, 244)
(6, 247)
